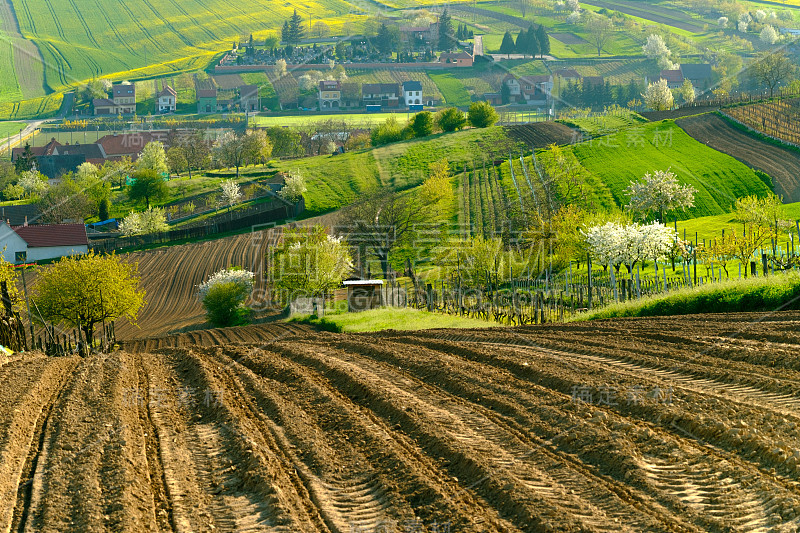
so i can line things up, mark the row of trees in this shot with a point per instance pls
(530, 42)
(424, 123)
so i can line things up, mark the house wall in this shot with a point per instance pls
(53, 252)
(12, 243)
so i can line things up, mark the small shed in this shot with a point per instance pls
(363, 294)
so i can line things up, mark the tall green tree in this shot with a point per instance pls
(422, 124)
(531, 42)
(447, 38)
(482, 114)
(296, 30)
(25, 160)
(544, 40)
(507, 46)
(148, 186)
(384, 41)
(285, 31)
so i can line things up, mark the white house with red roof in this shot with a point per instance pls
(22, 244)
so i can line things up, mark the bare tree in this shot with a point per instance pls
(771, 69)
(600, 31)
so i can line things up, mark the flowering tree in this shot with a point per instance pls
(153, 157)
(231, 193)
(606, 243)
(310, 263)
(722, 22)
(687, 91)
(615, 244)
(659, 192)
(224, 295)
(294, 185)
(33, 183)
(656, 48)
(658, 96)
(150, 221)
(768, 35)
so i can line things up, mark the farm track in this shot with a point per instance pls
(279, 428)
(782, 165)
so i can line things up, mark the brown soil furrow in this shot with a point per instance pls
(92, 473)
(776, 488)
(244, 460)
(357, 451)
(485, 455)
(200, 478)
(27, 401)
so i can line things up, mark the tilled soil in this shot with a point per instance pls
(665, 424)
(782, 164)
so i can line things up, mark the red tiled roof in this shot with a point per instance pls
(128, 143)
(44, 235)
(672, 76)
(167, 91)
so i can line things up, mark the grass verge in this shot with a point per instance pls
(390, 318)
(771, 293)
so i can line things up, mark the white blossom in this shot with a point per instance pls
(241, 277)
(574, 17)
(722, 22)
(231, 193)
(658, 96)
(769, 35)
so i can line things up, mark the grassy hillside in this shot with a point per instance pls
(44, 107)
(334, 181)
(619, 158)
(711, 226)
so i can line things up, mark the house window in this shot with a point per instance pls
(20, 257)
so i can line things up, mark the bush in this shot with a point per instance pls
(422, 124)
(224, 305)
(388, 132)
(451, 119)
(482, 114)
(223, 296)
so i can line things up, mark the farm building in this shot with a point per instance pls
(166, 100)
(363, 295)
(460, 59)
(91, 152)
(248, 98)
(698, 74)
(536, 90)
(412, 93)
(512, 88)
(351, 95)
(206, 96)
(25, 243)
(55, 166)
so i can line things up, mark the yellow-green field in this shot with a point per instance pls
(354, 119)
(80, 40)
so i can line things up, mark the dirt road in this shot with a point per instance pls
(679, 424)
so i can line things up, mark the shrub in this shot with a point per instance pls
(422, 124)
(451, 119)
(482, 114)
(224, 294)
(388, 132)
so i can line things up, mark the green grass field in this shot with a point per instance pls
(9, 128)
(44, 107)
(601, 125)
(365, 120)
(390, 318)
(452, 89)
(619, 158)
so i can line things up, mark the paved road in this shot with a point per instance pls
(477, 47)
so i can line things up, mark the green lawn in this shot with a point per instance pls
(711, 227)
(620, 158)
(601, 125)
(365, 120)
(9, 128)
(452, 89)
(391, 318)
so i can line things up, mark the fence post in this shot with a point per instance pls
(764, 262)
(589, 283)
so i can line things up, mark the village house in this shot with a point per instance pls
(330, 94)
(382, 94)
(248, 98)
(459, 59)
(166, 100)
(122, 102)
(21, 244)
(419, 36)
(699, 75)
(536, 90)
(351, 95)
(206, 93)
(512, 88)
(412, 93)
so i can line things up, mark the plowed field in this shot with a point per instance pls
(782, 165)
(673, 424)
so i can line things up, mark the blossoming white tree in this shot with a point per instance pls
(294, 185)
(656, 48)
(231, 193)
(32, 182)
(152, 220)
(615, 244)
(224, 295)
(658, 96)
(659, 193)
(768, 35)
(722, 22)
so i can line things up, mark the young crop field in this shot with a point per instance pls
(269, 98)
(718, 178)
(10, 129)
(82, 41)
(451, 88)
(619, 425)
(605, 124)
(43, 107)
(616, 72)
